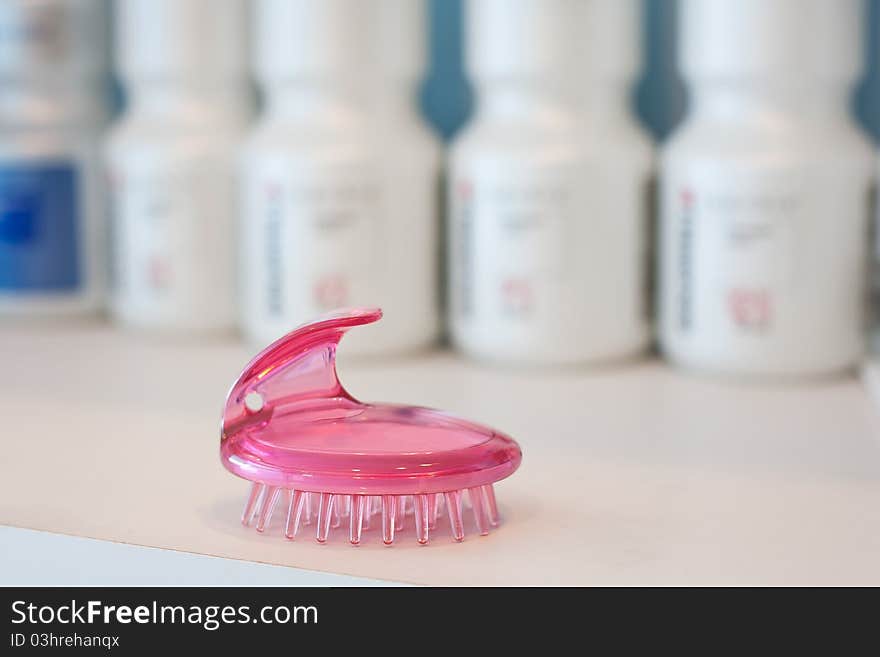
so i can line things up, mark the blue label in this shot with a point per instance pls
(39, 215)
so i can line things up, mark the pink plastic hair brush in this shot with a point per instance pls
(291, 428)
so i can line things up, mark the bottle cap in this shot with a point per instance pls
(757, 38)
(55, 40)
(202, 39)
(559, 39)
(305, 39)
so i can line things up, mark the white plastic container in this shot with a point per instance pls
(340, 175)
(53, 65)
(172, 162)
(765, 192)
(549, 186)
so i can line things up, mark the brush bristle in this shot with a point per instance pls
(397, 512)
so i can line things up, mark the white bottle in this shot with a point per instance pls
(340, 175)
(550, 184)
(765, 192)
(171, 160)
(53, 63)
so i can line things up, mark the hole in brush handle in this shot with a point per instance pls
(299, 367)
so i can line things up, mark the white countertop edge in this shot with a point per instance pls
(36, 558)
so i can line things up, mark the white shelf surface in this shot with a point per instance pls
(35, 558)
(632, 475)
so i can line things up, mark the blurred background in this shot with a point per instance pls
(148, 145)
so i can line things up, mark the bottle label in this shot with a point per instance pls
(39, 220)
(171, 240)
(511, 243)
(735, 252)
(550, 259)
(766, 257)
(317, 242)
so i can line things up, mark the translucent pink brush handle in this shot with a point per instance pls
(299, 367)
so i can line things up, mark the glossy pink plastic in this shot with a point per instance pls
(292, 429)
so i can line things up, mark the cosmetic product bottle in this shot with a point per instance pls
(340, 174)
(53, 76)
(172, 163)
(550, 187)
(766, 187)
